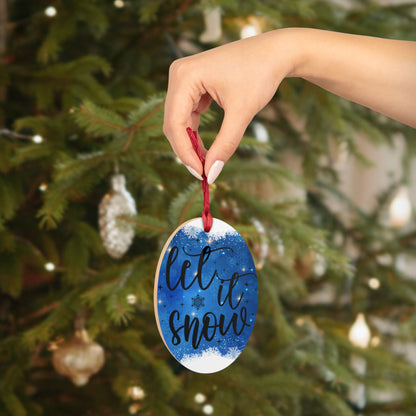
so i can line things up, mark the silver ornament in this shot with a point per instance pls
(117, 235)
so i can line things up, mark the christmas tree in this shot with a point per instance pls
(90, 190)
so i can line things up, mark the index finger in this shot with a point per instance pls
(181, 102)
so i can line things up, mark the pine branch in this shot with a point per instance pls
(181, 205)
(186, 208)
(164, 24)
(146, 222)
(110, 116)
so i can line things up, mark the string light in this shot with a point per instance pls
(299, 321)
(400, 208)
(359, 334)
(136, 393)
(375, 341)
(37, 138)
(200, 398)
(50, 267)
(134, 408)
(119, 3)
(50, 11)
(131, 299)
(43, 187)
(248, 31)
(374, 283)
(208, 409)
(251, 28)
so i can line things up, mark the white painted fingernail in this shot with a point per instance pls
(215, 170)
(194, 172)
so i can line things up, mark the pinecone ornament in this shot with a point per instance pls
(78, 358)
(117, 235)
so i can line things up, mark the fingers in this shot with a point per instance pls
(182, 146)
(181, 101)
(225, 144)
(187, 97)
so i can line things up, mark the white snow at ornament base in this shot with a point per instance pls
(210, 360)
(218, 230)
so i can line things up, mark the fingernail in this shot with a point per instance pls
(215, 170)
(194, 172)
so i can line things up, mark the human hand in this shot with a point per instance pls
(241, 77)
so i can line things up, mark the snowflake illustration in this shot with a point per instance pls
(198, 302)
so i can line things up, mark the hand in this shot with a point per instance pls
(241, 77)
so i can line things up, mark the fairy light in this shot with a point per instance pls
(119, 4)
(299, 321)
(251, 28)
(200, 398)
(50, 11)
(37, 138)
(359, 334)
(248, 31)
(134, 408)
(208, 409)
(50, 267)
(136, 393)
(375, 341)
(43, 187)
(374, 283)
(400, 208)
(131, 299)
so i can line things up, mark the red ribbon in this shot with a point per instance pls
(206, 215)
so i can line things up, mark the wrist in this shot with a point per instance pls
(292, 48)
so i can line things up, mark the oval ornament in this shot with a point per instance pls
(205, 295)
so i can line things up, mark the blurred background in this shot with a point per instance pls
(322, 190)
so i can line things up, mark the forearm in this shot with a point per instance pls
(243, 76)
(377, 73)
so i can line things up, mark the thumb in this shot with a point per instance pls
(225, 144)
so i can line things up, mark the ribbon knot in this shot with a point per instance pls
(206, 215)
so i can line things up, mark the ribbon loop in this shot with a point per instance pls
(206, 215)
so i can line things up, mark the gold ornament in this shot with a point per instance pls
(117, 235)
(78, 358)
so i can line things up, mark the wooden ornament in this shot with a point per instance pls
(205, 295)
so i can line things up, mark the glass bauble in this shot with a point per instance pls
(78, 358)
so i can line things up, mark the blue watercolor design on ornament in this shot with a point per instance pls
(206, 296)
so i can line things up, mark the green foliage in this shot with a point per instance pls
(11, 272)
(11, 195)
(67, 24)
(97, 120)
(13, 405)
(148, 226)
(186, 205)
